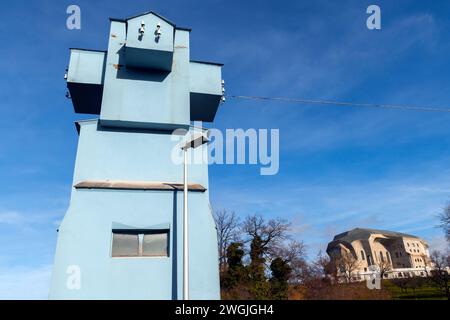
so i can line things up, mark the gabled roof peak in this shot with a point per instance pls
(154, 13)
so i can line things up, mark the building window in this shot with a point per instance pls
(363, 257)
(155, 244)
(140, 243)
(125, 245)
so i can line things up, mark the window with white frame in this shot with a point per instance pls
(140, 243)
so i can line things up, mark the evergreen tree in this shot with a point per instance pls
(281, 272)
(235, 273)
(259, 286)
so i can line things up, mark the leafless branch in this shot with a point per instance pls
(227, 224)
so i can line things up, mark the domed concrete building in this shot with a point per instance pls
(397, 254)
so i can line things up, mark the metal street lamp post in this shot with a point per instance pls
(196, 139)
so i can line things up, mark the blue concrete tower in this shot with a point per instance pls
(121, 237)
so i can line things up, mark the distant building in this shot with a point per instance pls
(398, 254)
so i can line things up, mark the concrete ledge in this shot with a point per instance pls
(137, 185)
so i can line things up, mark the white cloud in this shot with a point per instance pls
(12, 218)
(25, 283)
(29, 219)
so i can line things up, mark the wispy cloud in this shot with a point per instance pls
(29, 220)
(12, 218)
(25, 283)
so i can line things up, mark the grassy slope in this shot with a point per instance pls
(424, 292)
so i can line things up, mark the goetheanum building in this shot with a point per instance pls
(395, 254)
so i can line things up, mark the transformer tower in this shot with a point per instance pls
(121, 237)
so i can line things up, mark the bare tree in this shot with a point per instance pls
(294, 253)
(319, 277)
(439, 273)
(264, 239)
(323, 267)
(346, 264)
(227, 224)
(445, 222)
(271, 233)
(384, 267)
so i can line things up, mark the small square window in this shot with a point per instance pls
(155, 244)
(125, 245)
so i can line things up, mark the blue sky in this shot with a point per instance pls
(340, 168)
